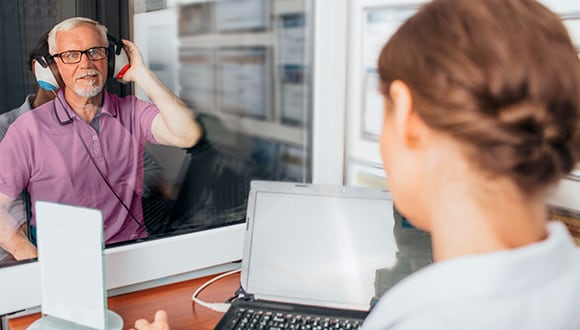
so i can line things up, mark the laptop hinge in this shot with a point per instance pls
(242, 294)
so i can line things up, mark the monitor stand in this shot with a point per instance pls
(47, 322)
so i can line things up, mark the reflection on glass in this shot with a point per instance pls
(244, 69)
(195, 18)
(197, 78)
(380, 23)
(243, 82)
(236, 15)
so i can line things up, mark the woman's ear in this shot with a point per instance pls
(409, 127)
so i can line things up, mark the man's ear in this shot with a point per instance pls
(410, 128)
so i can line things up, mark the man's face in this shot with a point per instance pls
(87, 77)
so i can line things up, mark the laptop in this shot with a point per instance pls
(311, 254)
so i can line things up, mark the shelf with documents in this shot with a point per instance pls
(250, 70)
(244, 67)
(240, 39)
(264, 129)
(372, 22)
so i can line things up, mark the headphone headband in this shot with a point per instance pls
(117, 60)
(44, 60)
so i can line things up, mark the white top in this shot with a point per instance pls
(533, 287)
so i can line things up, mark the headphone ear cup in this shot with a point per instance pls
(44, 76)
(118, 59)
(121, 64)
(111, 59)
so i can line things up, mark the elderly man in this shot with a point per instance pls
(85, 147)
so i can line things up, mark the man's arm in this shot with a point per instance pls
(175, 124)
(12, 239)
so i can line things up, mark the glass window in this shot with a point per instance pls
(244, 69)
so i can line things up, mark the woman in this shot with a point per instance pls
(481, 120)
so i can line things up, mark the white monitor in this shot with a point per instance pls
(70, 255)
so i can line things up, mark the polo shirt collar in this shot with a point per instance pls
(107, 107)
(65, 113)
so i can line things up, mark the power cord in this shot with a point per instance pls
(217, 307)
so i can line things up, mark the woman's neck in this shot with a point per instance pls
(484, 217)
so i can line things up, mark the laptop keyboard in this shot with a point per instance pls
(251, 318)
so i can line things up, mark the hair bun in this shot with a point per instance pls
(539, 136)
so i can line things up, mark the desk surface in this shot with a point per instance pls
(175, 299)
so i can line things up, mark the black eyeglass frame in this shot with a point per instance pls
(87, 53)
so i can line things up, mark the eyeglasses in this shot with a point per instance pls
(74, 56)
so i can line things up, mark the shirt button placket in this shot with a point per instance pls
(96, 144)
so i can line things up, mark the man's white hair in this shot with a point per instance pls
(69, 24)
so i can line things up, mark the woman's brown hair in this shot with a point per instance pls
(501, 76)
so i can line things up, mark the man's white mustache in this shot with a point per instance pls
(86, 74)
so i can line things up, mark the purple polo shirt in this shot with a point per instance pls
(42, 152)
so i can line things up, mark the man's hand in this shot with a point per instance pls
(175, 125)
(23, 249)
(160, 322)
(135, 60)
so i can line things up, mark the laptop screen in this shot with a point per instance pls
(317, 245)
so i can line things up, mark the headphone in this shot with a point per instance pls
(43, 74)
(117, 59)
